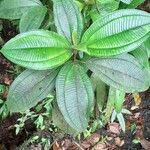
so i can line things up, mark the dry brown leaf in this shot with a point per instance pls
(119, 142)
(134, 107)
(94, 138)
(145, 144)
(137, 115)
(66, 144)
(36, 147)
(114, 128)
(91, 141)
(7, 80)
(57, 146)
(139, 134)
(100, 146)
(86, 144)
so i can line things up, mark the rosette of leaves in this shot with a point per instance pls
(54, 63)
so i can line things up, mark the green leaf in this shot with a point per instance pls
(1, 26)
(113, 116)
(68, 19)
(125, 111)
(136, 141)
(110, 105)
(29, 88)
(100, 89)
(39, 50)
(119, 32)
(133, 4)
(126, 1)
(103, 8)
(14, 9)
(74, 95)
(146, 46)
(121, 121)
(141, 54)
(79, 4)
(32, 19)
(119, 100)
(60, 122)
(122, 72)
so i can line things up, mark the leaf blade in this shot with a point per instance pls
(60, 122)
(119, 100)
(100, 89)
(14, 9)
(71, 20)
(32, 19)
(119, 32)
(126, 1)
(121, 121)
(39, 50)
(74, 95)
(141, 54)
(121, 72)
(29, 88)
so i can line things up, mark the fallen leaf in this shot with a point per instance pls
(36, 147)
(94, 138)
(145, 144)
(100, 146)
(114, 128)
(137, 115)
(137, 99)
(134, 107)
(57, 146)
(119, 142)
(7, 80)
(91, 141)
(86, 145)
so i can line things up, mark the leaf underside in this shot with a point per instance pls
(60, 122)
(68, 19)
(123, 72)
(32, 19)
(141, 55)
(14, 9)
(29, 88)
(74, 95)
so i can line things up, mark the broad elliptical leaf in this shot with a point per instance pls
(74, 95)
(119, 32)
(68, 19)
(39, 50)
(29, 88)
(122, 72)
